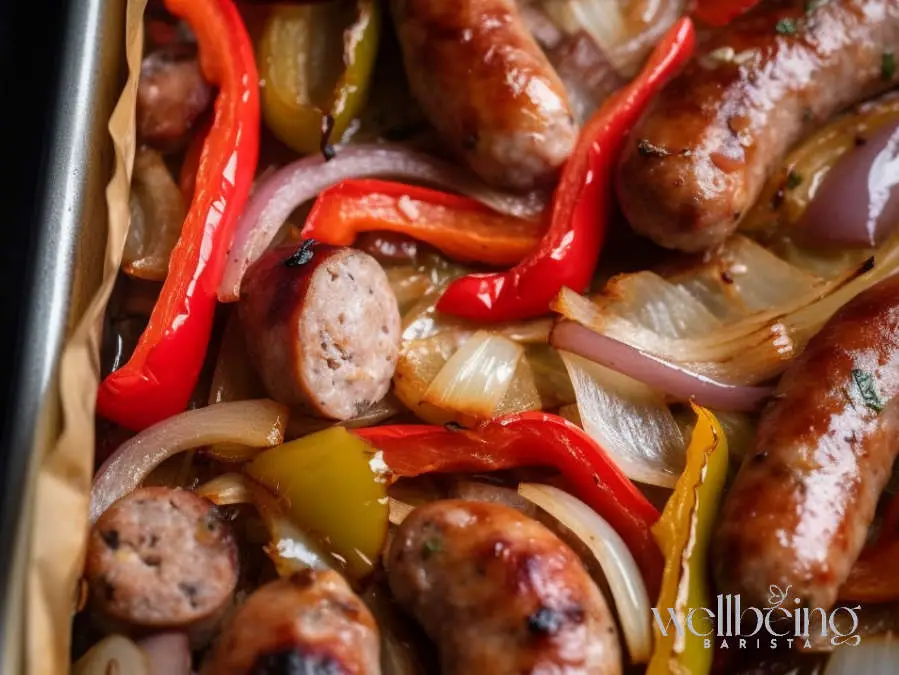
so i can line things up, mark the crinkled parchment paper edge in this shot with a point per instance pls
(64, 477)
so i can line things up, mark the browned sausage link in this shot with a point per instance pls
(309, 623)
(171, 95)
(161, 558)
(500, 594)
(322, 328)
(699, 158)
(801, 505)
(487, 87)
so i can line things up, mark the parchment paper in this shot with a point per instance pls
(63, 483)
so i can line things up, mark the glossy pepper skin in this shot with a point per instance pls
(158, 380)
(329, 484)
(462, 228)
(569, 251)
(530, 439)
(684, 533)
(303, 94)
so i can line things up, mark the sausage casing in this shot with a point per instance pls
(800, 507)
(310, 622)
(487, 87)
(699, 158)
(499, 593)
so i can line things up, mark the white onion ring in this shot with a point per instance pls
(258, 424)
(275, 199)
(668, 377)
(618, 564)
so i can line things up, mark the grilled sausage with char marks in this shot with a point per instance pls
(500, 594)
(310, 622)
(487, 87)
(800, 507)
(699, 158)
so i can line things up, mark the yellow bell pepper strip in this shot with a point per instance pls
(315, 64)
(683, 533)
(332, 484)
(462, 228)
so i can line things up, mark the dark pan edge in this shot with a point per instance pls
(75, 174)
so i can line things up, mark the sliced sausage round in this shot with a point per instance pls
(699, 158)
(310, 622)
(500, 594)
(322, 328)
(486, 86)
(161, 558)
(801, 505)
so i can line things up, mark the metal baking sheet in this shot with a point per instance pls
(71, 208)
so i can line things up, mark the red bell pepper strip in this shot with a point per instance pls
(462, 228)
(569, 251)
(873, 577)
(721, 12)
(530, 439)
(158, 380)
(187, 177)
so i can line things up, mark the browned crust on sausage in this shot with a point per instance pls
(161, 558)
(800, 507)
(312, 621)
(499, 593)
(699, 158)
(487, 87)
(323, 335)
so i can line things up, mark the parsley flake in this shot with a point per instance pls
(785, 27)
(430, 547)
(887, 66)
(794, 180)
(867, 388)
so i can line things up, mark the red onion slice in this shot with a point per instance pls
(259, 424)
(167, 653)
(667, 377)
(857, 203)
(275, 199)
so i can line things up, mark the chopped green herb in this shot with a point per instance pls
(888, 66)
(430, 547)
(867, 387)
(648, 149)
(812, 5)
(785, 27)
(794, 180)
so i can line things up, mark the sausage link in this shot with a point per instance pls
(308, 623)
(323, 333)
(484, 83)
(698, 160)
(800, 507)
(499, 593)
(171, 95)
(161, 558)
